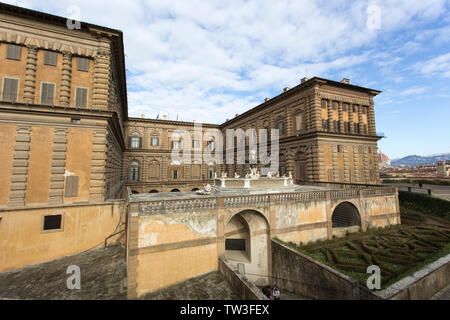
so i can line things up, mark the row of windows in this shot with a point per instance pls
(345, 106)
(175, 174)
(13, 52)
(10, 93)
(357, 128)
(354, 174)
(136, 143)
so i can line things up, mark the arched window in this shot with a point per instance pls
(175, 190)
(280, 126)
(134, 172)
(154, 191)
(345, 215)
(135, 141)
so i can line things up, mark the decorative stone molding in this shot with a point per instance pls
(20, 167)
(30, 75)
(66, 78)
(56, 194)
(98, 165)
(100, 91)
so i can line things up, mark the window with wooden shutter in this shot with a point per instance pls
(82, 64)
(13, 52)
(71, 186)
(299, 122)
(81, 97)
(196, 171)
(10, 89)
(50, 58)
(47, 93)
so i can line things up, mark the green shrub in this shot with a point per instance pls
(424, 203)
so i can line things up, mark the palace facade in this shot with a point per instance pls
(69, 149)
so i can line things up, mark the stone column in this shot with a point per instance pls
(30, 75)
(58, 166)
(20, 166)
(66, 78)
(341, 117)
(100, 90)
(98, 164)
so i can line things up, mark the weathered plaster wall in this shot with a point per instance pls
(7, 142)
(84, 227)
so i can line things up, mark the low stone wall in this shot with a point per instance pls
(246, 289)
(421, 285)
(301, 274)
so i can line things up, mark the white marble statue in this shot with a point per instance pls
(236, 176)
(224, 175)
(269, 174)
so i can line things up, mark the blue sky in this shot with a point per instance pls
(208, 60)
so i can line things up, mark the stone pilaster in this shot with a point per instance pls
(330, 116)
(371, 118)
(289, 121)
(334, 156)
(56, 193)
(100, 90)
(20, 166)
(98, 164)
(356, 175)
(360, 120)
(346, 164)
(350, 118)
(316, 111)
(341, 117)
(307, 114)
(366, 164)
(30, 75)
(320, 165)
(66, 78)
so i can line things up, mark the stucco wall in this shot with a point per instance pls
(84, 227)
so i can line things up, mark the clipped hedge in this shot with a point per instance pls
(424, 203)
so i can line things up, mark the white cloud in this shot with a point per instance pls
(438, 65)
(207, 60)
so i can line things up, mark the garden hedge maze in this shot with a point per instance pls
(394, 250)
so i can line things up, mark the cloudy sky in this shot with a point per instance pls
(208, 60)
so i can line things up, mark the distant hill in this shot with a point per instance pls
(415, 160)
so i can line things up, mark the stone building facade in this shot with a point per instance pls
(63, 105)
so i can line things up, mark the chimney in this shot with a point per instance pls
(285, 89)
(164, 117)
(345, 80)
(143, 116)
(266, 99)
(304, 80)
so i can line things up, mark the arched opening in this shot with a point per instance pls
(134, 171)
(134, 192)
(345, 218)
(154, 191)
(195, 189)
(175, 190)
(247, 242)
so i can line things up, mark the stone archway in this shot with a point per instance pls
(345, 218)
(247, 242)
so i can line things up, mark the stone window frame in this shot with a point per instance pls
(3, 87)
(151, 141)
(283, 122)
(137, 135)
(54, 92)
(300, 113)
(61, 229)
(132, 166)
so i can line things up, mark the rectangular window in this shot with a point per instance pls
(324, 103)
(175, 174)
(50, 58)
(335, 126)
(71, 189)
(334, 105)
(82, 64)
(81, 97)
(155, 141)
(48, 93)
(330, 175)
(280, 127)
(210, 145)
(325, 125)
(355, 108)
(75, 121)
(339, 148)
(344, 107)
(282, 170)
(235, 244)
(10, 89)
(52, 222)
(176, 145)
(13, 52)
(299, 122)
(136, 142)
(195, 144)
